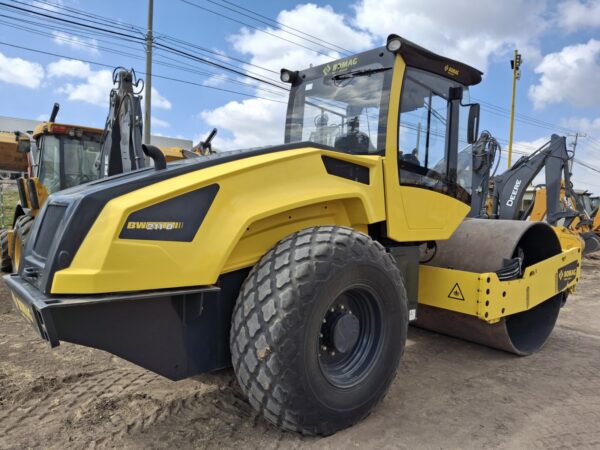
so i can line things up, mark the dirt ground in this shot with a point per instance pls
(448, 394)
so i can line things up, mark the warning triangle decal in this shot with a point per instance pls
(456, 293)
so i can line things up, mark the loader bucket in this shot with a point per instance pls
(484, 246)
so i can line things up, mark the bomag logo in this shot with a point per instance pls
(451, 70)
(155, 226)
(340, 66)
(566, 274)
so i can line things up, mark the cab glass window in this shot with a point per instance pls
(50, 163)
(345, 111)
(424, 130)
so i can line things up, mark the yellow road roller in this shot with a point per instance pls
(302, 264)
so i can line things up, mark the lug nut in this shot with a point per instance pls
(323, 348)
(332, 353)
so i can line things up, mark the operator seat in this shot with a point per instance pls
(354, 141)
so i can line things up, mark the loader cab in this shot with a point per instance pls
(407, 106)
(67, 155)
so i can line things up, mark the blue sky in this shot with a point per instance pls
(559, 90)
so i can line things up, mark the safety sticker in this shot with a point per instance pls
(456, 293)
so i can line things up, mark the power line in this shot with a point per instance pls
(94, 46)
(142, 31)
(281, 25)
(112, 23)
(158, 45)
(319, 42)
(96, 63)
(254, 28)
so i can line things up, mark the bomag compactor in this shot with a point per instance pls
(300, 264)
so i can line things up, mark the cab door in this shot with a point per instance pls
(421, 204)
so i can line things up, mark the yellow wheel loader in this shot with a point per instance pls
(300, 264)
(58, 156)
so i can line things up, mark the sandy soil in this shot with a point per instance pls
(448, 394)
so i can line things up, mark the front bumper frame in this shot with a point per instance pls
(176, 333)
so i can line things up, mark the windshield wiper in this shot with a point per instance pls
(359, 73)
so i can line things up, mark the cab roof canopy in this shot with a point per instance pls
(416, 56)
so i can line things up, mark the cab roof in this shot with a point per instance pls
(47, 128)
(416, 56)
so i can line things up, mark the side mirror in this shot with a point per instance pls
(24, 146)
(473, 126)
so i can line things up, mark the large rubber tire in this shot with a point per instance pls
(5, 262)
(276, 339)
(22, 229)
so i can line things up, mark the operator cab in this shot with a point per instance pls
(68, 156)
(342, 105)
(345, 105)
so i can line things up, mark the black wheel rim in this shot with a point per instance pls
(350, 337)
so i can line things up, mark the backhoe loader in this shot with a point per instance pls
(300, 264)
(502, 196)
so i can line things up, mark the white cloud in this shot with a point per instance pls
(570, 75)
(253, 122)
(47, 6)
(158, 101)
(68, 68)
(462, 29)
(95, 89)
(526, 147)
(582, 124)
(322, 22)
(75, 42)
(215, 80)
(96, 85)
(21, 72)
(574, 14)
(156, 122)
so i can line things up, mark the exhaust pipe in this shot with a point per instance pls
(54, 112)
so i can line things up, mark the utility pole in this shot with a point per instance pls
(148, 85)
(514, 65)
(574, 147)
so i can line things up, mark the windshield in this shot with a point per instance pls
(79, 156)
(424, 133)
(346, 110)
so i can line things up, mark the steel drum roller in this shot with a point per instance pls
(482, 245)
